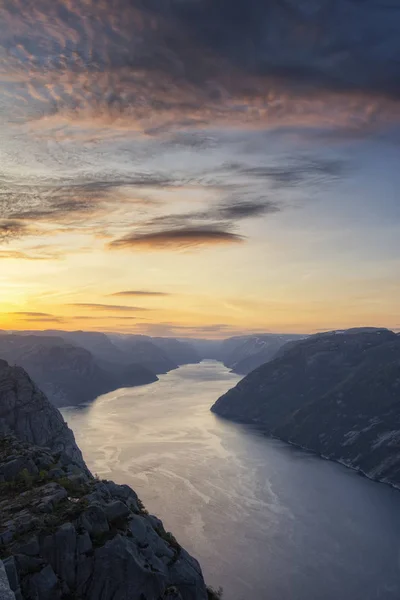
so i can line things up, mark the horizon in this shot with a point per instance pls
(191, 338)
(198, 168)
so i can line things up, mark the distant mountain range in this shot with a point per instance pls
(243, 354)
(337, 394)
(76, 367)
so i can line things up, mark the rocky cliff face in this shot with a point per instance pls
(337, 394)
(26, 413)
(65, 535)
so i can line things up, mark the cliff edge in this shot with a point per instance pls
(64, 534)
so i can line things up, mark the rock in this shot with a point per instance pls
(43, 585)
(30, 548)
(15, 468)
(60, 551)
(84, 543)
(116, 510)
(121, 573)
(28, 564)
(12, 574)
(6, 592)
(27, 413)
(51, 495)
(94, 520)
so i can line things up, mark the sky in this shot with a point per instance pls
(199, 168)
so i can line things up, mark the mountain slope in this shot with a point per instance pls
(337, 394)
(68, 374)
(182, 353)
(141, 349)
(243, 354)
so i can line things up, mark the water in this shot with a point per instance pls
(266, 521)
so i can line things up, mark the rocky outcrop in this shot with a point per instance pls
(66, 535)
(6, 592)
(337, 394)
(26, 413)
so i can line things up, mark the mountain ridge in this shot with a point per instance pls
(336, 394)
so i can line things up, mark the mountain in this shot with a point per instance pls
(66, 534)
(181, 352)
(69, 374)
(243, 354)
(142, 350)
(336, 394)
(97, 343)
(26, 413)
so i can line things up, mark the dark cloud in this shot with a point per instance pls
(11, 229)
(176, 239)
(336, 45)
(193, 61)
(140, 293)
(293, 171)
(107, 307)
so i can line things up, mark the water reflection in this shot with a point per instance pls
(265, 520)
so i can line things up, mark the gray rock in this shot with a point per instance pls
(121, 573)
(38, 422)
(60, 550)
(42, 585)
(94, 520)
(6, 592)
(14, 468)
(12, 573)
(28, 564)
(184, 574)
(56, 473)
(84, 543)
(30, 548)
(116, 510)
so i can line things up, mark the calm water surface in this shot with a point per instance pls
(266, 521)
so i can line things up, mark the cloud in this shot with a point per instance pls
(32, 314)
(176, 239)
(140, 293)
(11, 229)
(147, 65)
(107, 307)
(17, 255)
(43, 319)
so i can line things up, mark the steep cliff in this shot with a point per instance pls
(26, 413)
(337, 394)
(65, 535)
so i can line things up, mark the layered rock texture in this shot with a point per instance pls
(65, 535)
(26, 413)
(337, 394)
